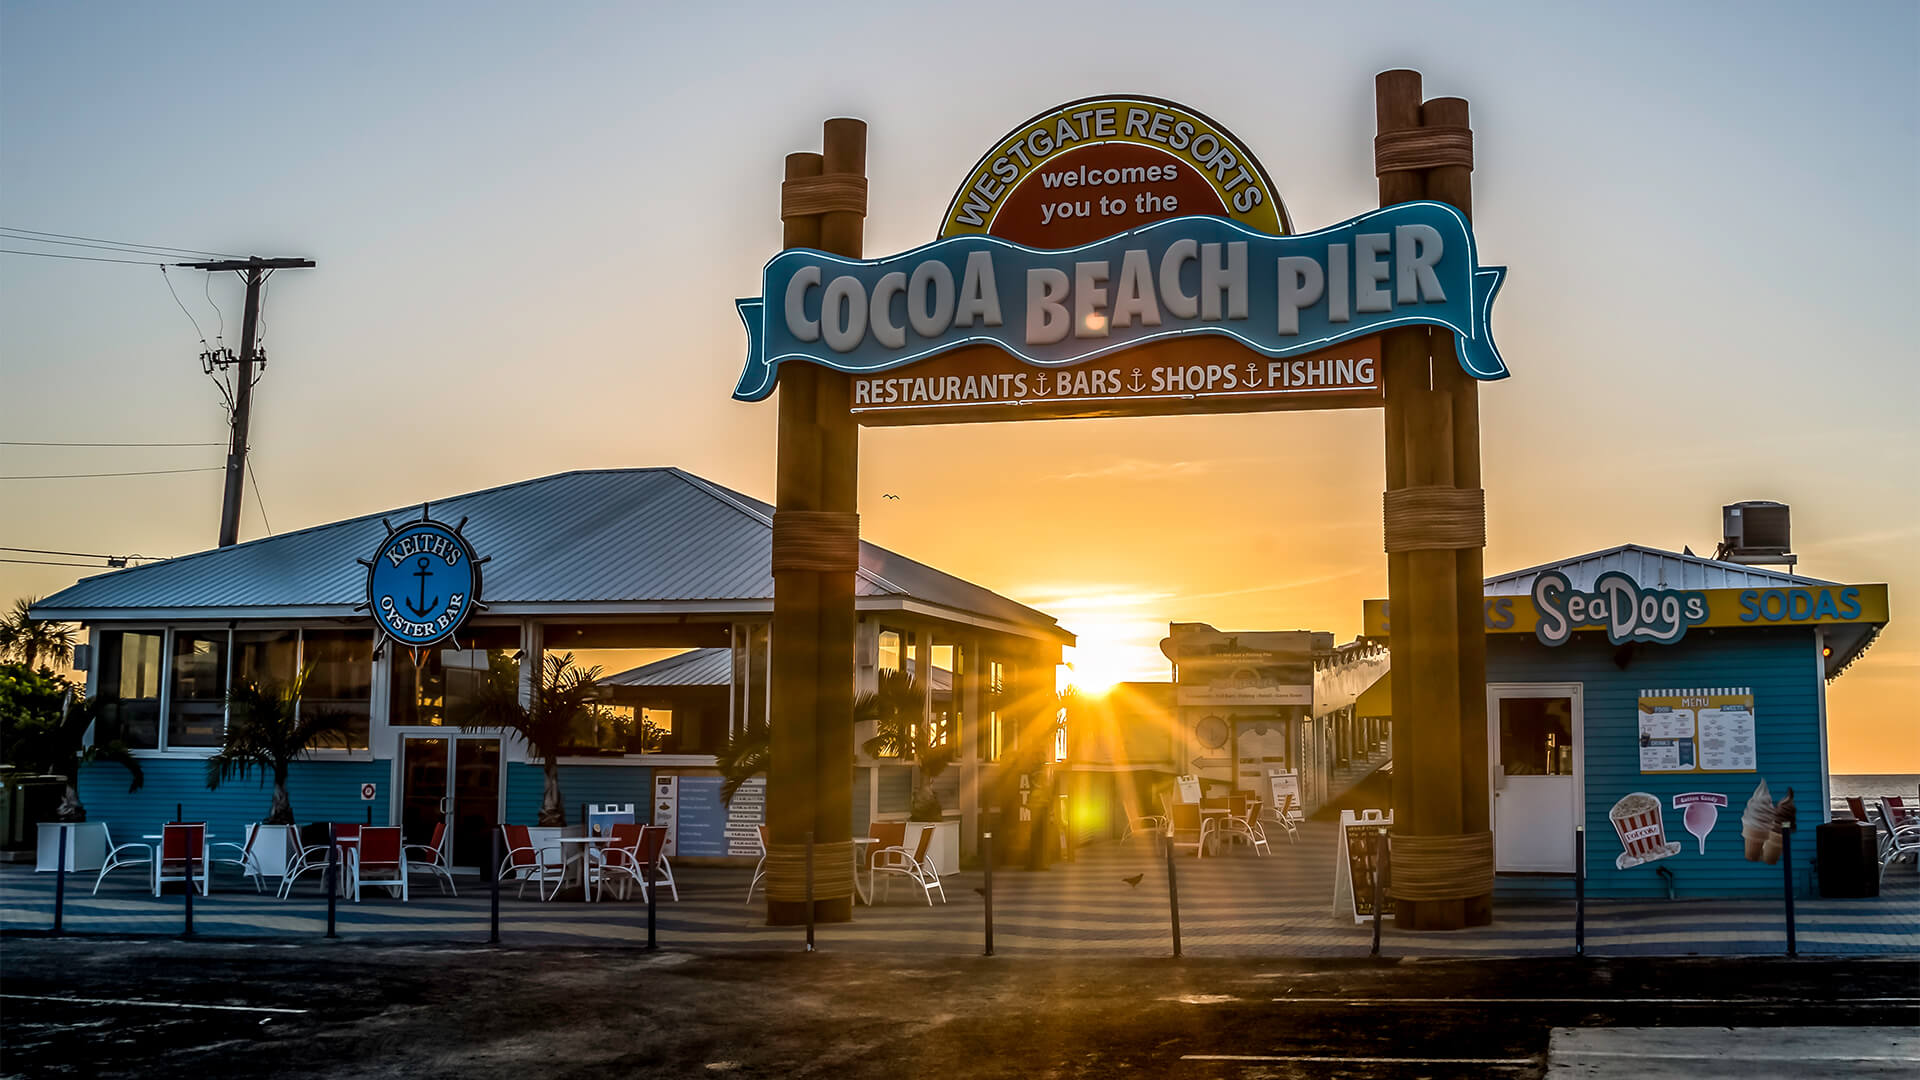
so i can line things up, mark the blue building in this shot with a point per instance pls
(656, 575)
(1647, 695)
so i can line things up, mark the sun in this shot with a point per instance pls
(1092, 670)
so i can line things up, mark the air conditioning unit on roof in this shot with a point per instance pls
(1758, 532)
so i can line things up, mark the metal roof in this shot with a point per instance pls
(1649, 568)
(604, 540)
(695, 667)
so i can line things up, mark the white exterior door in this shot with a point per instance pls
(1534, 738)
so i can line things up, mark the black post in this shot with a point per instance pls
(1579, 890)
(176, 813)
(493, 874)
(1786, 866)
(1173, 896)
(809, 890)
(1379, 856)
(60, 884)
(986, 858)
(188, 931)
(332, 875)
(369, 813)
(653, 942)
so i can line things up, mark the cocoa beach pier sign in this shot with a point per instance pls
(1122, 256)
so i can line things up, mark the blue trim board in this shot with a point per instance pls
(1780, 666)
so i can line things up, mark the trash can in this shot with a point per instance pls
(1848, 859)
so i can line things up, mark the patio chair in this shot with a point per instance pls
(915, 866)
(243, 856)
(309, 847)
(434, 859)
(602, 818)
(1237, 823)
(1286, 815)
(381, 861)
(122, 855)
(759, 868)
(1899, 814)
(182, 856)
(529, 864)
(635, 848)
(1186, 828)
(1149, 824)
(1248, 825)
(1902, 840)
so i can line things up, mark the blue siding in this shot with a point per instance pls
(578, 784)
(319, 791)
(1781, 668)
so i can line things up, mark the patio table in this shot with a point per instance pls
(586, 861)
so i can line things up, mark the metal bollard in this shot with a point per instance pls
(188, 930)
(1786, 875)
(1579, 890)
(493, 875)
(653, 942)
(986, 858)
(1379, 856)
(60, 884)
(1173, 896)
(332, 876)
(809, 890)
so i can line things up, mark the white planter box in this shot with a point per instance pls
(270, 851)
(944, 850)
(86, 846)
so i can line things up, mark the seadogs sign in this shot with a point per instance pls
(1122, 256)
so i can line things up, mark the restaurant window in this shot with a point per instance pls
(751, 660)
(444, 687)
(339, 667)
(994, 729)
(947, 695)
(892, 653)
(1536, 736)
(197, 694)
(128, 689)
(266, 658)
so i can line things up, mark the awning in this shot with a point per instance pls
(1376, 701)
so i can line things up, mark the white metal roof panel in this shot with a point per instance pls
(1649, 568)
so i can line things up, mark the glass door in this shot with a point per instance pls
(452, 780)
(1534, 733)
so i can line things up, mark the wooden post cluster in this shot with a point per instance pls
(1435, 530)
(816, 534)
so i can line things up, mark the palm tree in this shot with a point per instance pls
(268, 730)
(563, 695)
(43, 730)
(743, 757)
(897, 709)
(27, 640)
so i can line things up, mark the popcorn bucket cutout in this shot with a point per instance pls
(1636, 817)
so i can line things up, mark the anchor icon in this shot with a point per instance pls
(1040, 385)
(1138, 384)
(1253, 374)
(423, 574)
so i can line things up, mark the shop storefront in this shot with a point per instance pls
(1660, 700)
(658, 577)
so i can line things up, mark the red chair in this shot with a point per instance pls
(177, 841)
(433, 859)
(886, 834)
(528, 863)
(631, 857)
(381, 861)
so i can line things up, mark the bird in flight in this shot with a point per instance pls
(890, 495)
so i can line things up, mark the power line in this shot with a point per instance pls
(259, 503)
(82, 258)
(117, 243)
(197, 332)
(48, 562)
(80, 554)
(90, 475)
(112, 444)
(97, 247)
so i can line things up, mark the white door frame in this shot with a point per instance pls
(453, 736)
(1571, 690)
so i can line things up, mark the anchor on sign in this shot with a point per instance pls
(1138, 383)
(425, 608)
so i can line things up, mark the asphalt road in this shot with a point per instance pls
(165, 1009)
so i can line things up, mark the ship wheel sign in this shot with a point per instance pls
(422, 582)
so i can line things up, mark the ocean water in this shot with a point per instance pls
(1874, 785)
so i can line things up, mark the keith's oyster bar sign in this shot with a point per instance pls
(1122, 256)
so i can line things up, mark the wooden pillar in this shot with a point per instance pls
(815, 556)
(1435, 530)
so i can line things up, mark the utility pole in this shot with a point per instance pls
(256, 270)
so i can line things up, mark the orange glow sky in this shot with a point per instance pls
(531, 228)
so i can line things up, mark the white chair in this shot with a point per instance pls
(1902, 840)
(434, 859)
(1287, 816)
(1186, 828)
(243, 856)
(636, 848)
(306, 859)
(182, 857)
(542, 865)
(136, 854)
(915, 866)
(380, 861)
(759, 868)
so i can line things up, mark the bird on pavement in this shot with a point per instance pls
(1134, 880)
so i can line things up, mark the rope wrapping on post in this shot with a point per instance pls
(1414, 149)
(1442, 867)
(805, 196)
(1432, 518)
(832, 871)
(821, 540)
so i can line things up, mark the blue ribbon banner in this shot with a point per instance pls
(1411, 264)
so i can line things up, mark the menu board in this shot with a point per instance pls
(1286, 793)
(1361, 838)
(1699, 730)
(706, 826)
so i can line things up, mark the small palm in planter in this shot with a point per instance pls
(268, 730)
(898, 711)
(563, 695)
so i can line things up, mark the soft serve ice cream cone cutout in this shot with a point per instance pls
(1757, 824)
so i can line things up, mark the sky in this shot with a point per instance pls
(531, 224)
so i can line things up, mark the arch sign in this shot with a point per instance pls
(1122, 256)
